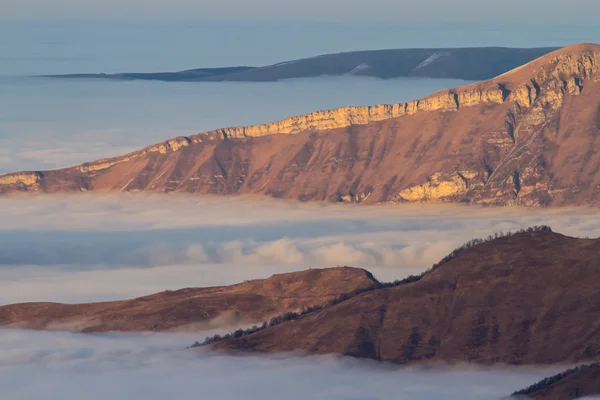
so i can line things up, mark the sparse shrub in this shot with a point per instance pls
(546, 382)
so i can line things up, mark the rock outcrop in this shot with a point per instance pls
(194, 308)
(527, 137)
(347, 116)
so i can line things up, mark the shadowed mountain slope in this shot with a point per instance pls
(526, 137)
(582, 381)
(462, 63)
(194, 308)
(528, 298)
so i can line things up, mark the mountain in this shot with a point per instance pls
(526, 137)
(194, 308)
(462, 63)
(526, 298)
(576, 383)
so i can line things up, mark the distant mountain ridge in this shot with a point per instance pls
(459, 63)
(526, 137)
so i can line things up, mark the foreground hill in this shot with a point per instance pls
(528, 298)
(572, 384)
(194, 308)
(465, 63)
(526, 137)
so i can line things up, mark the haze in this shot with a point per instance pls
(330, 10)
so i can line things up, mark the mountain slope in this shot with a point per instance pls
(528, 298)
(572, 384)
(462, 63)
(526, 137)
(194, 308)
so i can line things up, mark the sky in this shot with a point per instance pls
(330, 10)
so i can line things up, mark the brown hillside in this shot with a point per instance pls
(529, 298)
(194, 308)
(576, 383)
(526, 137)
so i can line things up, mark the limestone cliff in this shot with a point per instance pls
(346, 116)
(526, 137)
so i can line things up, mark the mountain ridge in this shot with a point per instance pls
(502, 301)
(194, 308)
(515, 122)
(475, 63)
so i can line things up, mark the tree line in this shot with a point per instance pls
(547, 382)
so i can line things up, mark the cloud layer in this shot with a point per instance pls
(35, 365)
(81, 248)
(87, 248)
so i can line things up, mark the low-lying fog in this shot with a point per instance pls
(89, 248)
(36, 365)
(81, 248)
(78, 248)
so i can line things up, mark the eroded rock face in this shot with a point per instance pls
(347, 116)
(435, 188)
(526, 137)
(25, 178)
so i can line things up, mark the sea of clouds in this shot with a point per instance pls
(92, 248)
(58, 365)
(80, 248)
(77, 248)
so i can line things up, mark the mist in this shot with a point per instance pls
(81, 248)
(35, 365)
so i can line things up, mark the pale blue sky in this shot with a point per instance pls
(331, 10)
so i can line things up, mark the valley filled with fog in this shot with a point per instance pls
(80, 248)
(34, 365)
(84, 248)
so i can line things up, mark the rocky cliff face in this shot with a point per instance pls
(347, 116)
(526, 137)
